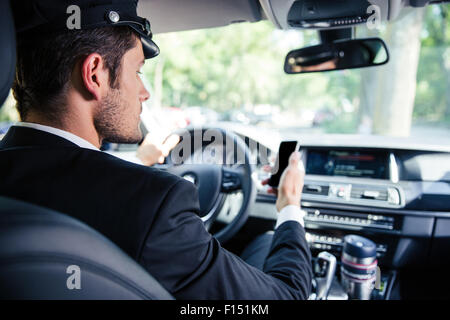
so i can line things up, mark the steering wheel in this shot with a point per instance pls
(217, 180)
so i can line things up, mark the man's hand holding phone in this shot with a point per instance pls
(290, 188)
(291, 183)
(289, 191)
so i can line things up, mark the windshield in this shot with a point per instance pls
(235, 74)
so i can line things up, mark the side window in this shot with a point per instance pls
(8, 115)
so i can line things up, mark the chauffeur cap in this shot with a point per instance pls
(34, 18)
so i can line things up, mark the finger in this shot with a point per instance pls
(294, 158)
(149, 139)
(272, 191)
(264, 182)
(170, 143)
(301, 166)
(296, 161)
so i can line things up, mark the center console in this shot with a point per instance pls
(397, 198)
(336, 291)
(352, 193)
(355, 275)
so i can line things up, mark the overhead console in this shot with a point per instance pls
(331, 14)
(328, 13)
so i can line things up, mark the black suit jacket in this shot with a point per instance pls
(151, 215)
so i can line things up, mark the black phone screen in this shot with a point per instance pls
(282, 161)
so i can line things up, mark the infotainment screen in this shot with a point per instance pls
(349, 163)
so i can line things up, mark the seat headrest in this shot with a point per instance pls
(7, 50)
(38, 245)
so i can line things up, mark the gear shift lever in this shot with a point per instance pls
(327, 263)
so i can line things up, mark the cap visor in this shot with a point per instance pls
(151, 50)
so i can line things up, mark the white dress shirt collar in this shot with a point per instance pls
(61, 133)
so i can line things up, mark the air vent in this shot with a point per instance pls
(355, 194)
(369, 193)
(316, 189)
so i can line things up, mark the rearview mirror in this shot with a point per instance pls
(337, 55)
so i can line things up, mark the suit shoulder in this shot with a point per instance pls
(134, 171)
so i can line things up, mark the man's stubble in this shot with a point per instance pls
(113, 121)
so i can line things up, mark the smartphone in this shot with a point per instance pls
(282, 161)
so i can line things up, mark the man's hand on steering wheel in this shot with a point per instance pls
(153, 151)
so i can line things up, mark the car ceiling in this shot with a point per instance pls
(179, 15)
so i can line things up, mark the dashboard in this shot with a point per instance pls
(395, 195)
(399, 198)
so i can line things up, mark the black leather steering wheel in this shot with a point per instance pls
(215, 181)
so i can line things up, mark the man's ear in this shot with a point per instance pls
(95, 76)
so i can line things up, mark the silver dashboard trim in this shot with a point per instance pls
(393, 168)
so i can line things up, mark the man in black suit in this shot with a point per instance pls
(76, 88)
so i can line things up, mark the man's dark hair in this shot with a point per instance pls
(44, 69)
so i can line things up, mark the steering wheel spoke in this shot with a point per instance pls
(231, 179)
